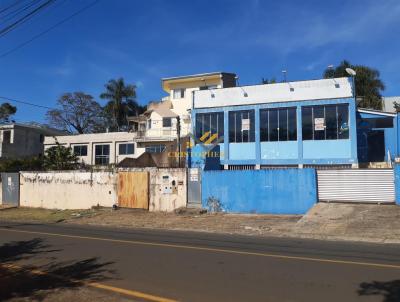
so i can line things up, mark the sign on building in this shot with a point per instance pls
(319, 124)
(245, 124)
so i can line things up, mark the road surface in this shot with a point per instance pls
(150, 265)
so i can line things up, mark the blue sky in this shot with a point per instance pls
(144, 41)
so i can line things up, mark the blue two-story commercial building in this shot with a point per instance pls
(303, 123)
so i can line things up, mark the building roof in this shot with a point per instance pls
(165, 112)
(274, 93)
(44, 128)
(199, 75)
(387, 103)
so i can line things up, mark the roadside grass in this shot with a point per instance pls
(42, 215)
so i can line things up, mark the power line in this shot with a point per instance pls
(25, 18)
(49, 29)
(16, 12)
(25, 103)
(10, 6)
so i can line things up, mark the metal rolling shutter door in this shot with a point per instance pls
(356, 185)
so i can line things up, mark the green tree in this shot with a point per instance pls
(60, 158)
(368, 84)
(266, 81)
(77, 112)
(6, 111)
(21, 164)
(121, 103)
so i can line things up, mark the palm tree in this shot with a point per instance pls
(121, 101)
(368, 83)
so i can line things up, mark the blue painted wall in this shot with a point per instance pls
(338, 148)
(275, 191)
(279, 150)
(240, 151)
(397, 183)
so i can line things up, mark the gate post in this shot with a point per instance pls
(396, 171)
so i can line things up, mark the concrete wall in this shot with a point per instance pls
(272, 93)
(168, 189)
(83, 190)
(67, 190)
(276, 191)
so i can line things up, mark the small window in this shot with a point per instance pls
(80, 150)
(7, 136)
(102, 155)
(167, 122)
(125, 149)
(155, 148)
(179, 93)
(148, 124)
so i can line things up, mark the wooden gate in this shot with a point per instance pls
(133, 190)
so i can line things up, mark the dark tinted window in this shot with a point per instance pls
(278, 124)
(241, 126)
(210, 122)
(125, 149)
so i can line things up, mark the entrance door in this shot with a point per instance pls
(376, 146)
(10, 188)
(133, 190)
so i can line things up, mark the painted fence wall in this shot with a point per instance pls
(83, 190)
(275, 191)
(168, 189)
(67, 190)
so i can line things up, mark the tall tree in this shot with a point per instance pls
(121, 102)
(77, 112)
(6, 111)
(369, 86)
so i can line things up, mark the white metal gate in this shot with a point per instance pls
(356, 185)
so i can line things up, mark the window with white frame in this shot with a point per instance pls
(102, 155)
(126, 149)
(179, 93)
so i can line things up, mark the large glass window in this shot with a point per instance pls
(102, 155)
(212, 122)
(241, 126)
(278, 125)
(325, 122)
(125, 149)
(80, 150)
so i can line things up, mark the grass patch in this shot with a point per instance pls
(42, 215)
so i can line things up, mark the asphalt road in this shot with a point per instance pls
(149, 265)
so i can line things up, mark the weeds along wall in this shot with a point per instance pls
(274, 191)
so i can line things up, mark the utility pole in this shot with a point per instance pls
(178, 133)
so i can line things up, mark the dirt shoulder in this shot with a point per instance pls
(354, 222)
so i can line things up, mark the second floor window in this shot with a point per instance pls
(80, 150)
(102, 155)
(241, 126)
(325, 122)
(212, 122)
(278, 125)
(125, 149)
(167, 122)
(179, 93)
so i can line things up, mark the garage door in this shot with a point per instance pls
(356, 185)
